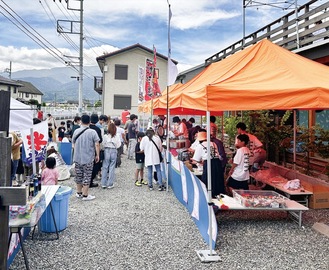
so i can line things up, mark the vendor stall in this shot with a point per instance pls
(261, 77)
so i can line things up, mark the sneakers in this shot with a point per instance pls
(144, 182)
(109, 187)
(151, 188)
(78, 195)
(138, 183)
(161, 188)
(88, 198)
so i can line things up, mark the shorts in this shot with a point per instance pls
(140, 166)
(83, 173)
(235, 184)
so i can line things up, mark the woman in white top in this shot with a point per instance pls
(111, 142)
(201, 155)
(151, 145)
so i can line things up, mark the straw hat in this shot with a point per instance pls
(202, 136)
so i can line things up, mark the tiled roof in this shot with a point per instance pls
(6, 81)
(28, 88)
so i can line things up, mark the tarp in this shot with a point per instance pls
(21, 116)
(160, 104)
(263, 76)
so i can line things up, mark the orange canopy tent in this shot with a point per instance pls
(263, 76)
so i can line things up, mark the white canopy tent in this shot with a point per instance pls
(21, 116)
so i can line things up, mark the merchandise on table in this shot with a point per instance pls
(259, 198)
(29, 213)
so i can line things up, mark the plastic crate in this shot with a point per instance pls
(260, 198)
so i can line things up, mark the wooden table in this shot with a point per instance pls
(294, 208)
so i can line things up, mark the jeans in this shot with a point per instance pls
(163, 170)
(14, 169)
(108, 168)
(131, 148)
(150, 174)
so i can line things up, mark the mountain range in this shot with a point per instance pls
(57, 84)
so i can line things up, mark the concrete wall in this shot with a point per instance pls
(133, 59)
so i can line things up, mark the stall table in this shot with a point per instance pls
(16, 225)
(294, 208)
(300, 195)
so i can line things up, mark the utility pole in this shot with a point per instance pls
(67, 24)
(8, 70)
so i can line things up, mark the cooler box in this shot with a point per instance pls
(60, 204)
(66, 151)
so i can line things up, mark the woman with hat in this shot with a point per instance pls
(201, 156)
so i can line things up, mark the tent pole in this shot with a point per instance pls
(209, 255)
(33, 152)
(295, 137)
(167, 140)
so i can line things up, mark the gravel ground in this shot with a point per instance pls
(130, 227)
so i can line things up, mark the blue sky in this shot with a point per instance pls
(199, 28)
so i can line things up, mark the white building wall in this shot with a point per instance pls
(132, 58)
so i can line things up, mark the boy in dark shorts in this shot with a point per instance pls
(239, 173)
(139, 157)
(61, 131)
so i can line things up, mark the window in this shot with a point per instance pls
(121, 72)
(122, 102)
(15, 89)
(26, 95)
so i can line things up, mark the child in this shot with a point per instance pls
(50, 132)
(50, 174)
(239, 173)
(139, 157)
(61, 131)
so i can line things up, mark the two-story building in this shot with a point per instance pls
(28, 91)
(9, 85)
(20, 90)
(121, 79)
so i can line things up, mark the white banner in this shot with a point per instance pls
(140, 84)
(40, 136)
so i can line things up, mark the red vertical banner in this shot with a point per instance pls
(156, 87)
(148, 79)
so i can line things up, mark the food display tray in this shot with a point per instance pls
(260, 198)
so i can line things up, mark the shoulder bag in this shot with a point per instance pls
(160, 155)
(81, 133)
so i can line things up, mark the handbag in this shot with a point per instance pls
(160, 155)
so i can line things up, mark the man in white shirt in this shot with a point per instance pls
(257, 153)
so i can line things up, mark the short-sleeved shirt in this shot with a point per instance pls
(252, 145)
(84, 146)
(61, 132)
(15, 151)
(120, 131)
(132, 131)
(241, 158)
(201, 151)
(139, 157)
(49, 176)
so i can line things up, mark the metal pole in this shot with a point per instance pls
(295, 138)
(81, 58)
(5, 150)
(244, 22)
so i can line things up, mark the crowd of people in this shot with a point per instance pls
(99, 142)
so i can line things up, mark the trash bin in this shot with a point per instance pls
(60, 204)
